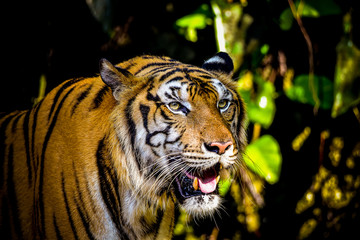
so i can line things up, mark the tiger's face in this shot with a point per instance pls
(186, 131)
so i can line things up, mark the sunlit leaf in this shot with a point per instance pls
(263, 156)
(199, 19)
(309, 11)
(260, 106)
(196, 20)
(300, 90)
(264, 49)
(224, 186)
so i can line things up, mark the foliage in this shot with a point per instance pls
(260, 104)
(199, 19)
(312, 9)
(263, 157)
(300, 91)
(347, 91)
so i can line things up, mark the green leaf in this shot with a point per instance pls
(263, 156)
(195, 20)
(322, 7)
(286, 19)
(199, 19)
(224, 186)
(347, 74)
(300, 91)
(311, 9)
(261, 107)
(264, 49)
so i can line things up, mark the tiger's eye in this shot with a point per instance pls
(174, 106)
(223, 103)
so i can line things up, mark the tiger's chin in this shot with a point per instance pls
(198, 194)
(202, 205)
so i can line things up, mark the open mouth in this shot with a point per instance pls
(195, 184)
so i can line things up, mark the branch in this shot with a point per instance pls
(297, 17)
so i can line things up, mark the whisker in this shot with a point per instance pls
(162, 172)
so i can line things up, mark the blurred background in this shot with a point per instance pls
(298, 68)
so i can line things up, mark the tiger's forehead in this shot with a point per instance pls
(177, 80)
(184, 84)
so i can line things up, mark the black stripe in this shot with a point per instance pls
(208, 77)
(144, 113)
(35, 117)
(57, 231)
(3, 137)
(166, 117)
(174, 79)
(42, 160)
(155, 71)
(85, 221)
(130, 65)
(170, 96)
(14, 124)
(168, 74)
(199, 80)
(57, 96)
(197, 70)
(100, 97)
(81, 208)
(68, 211)
(156, 65)
(12, 201)
(163, 58)
(27, 146)
(159, 217)
(124, 72)
(232, 116)
(80, 98)
(132, 130)
(109, 186)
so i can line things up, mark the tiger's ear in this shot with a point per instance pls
(116, 78)
(221, 63)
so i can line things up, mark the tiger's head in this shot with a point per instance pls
(180, 127)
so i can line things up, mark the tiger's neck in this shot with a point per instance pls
(142, 216)
(149, 221)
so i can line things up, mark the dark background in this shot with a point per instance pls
(62, 40)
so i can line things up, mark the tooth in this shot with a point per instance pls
(217, 179)
(221, 166)
(196, 184)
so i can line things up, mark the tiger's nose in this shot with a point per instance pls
(218, 147)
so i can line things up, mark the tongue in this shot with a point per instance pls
(208, 184)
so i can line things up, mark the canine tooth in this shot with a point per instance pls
(196, 184)
(217, 179)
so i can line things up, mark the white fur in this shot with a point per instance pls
(217, 60)
(202, 206)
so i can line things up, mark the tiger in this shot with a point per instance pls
(114, 156)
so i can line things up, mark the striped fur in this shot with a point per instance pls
(101, 157)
